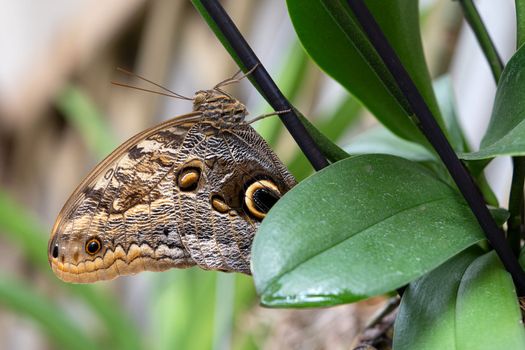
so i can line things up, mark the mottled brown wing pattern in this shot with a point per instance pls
(172, 196)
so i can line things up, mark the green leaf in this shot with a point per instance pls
(360, 227)
(332, 38)
(506, 130)
(425, 319)
(500, 215)
(487, 289)
(467, 303)
(380, 140)
(447, 105)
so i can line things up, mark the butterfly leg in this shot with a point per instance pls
(262, 116)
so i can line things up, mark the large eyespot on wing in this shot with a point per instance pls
(259, 198)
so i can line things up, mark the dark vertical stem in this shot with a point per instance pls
(431, 130)
(515, 223)
(264, 82)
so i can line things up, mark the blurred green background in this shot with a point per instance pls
(60, 115)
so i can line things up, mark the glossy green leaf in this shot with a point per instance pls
(381, 140)
(506, 130)
(332, 38)
(425, 319)
(467, 303)
(360, 227)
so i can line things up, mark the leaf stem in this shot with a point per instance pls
(232, 39)
(515, 223)
(520, 22)
(428, 125)
(486, 43)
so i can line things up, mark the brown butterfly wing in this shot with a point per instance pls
(134, 206)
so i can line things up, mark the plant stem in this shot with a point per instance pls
(520, 22)
(428, 125)
(515, 223)
(477, 25)
(234, 42)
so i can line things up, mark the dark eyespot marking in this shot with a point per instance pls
(166, 231)
(53, 247)
(264, 199)
(218, 203)
(93, 246)
(188, 178)
(259, 197)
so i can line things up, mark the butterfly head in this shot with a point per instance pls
(214, 104)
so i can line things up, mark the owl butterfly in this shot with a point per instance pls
(190, 191)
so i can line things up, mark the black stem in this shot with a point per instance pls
(428, 125)
(266, 85)
(515, 221)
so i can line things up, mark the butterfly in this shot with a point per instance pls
(190, 191)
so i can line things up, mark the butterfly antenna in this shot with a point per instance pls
(146, 90)
(234, 79)
(172, 93)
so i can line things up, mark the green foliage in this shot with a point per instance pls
(361, 227)
(467, 303)
(368, 224)
(331, 37)
(506, 131)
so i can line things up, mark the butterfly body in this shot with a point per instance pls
(190, 191)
